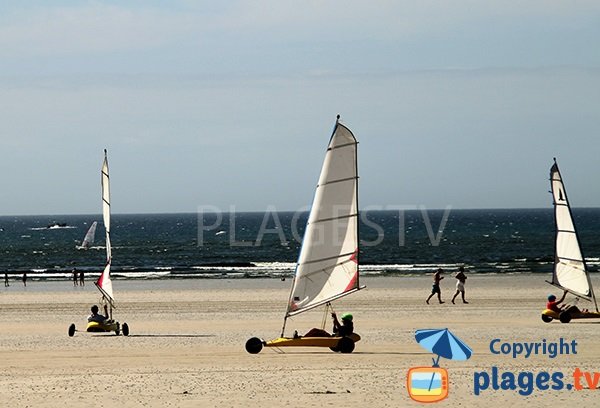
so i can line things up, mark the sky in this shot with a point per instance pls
(231, 104)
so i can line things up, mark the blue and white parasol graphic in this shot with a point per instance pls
(443, 343)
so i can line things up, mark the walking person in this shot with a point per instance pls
(24, 279)
(461, 278)
(6, 284)
(74, 277)
(435, 288)
(81, 279)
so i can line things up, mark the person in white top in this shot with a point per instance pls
(461, 278)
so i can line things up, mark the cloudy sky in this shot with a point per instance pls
(231, 103)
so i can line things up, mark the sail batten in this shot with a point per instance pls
(338, 181)
(330, 258)
(341, 217)
(331, 231)
(570, 271)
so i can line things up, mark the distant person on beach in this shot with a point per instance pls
(435, 288)
(24, 279)
(96, 317)
(74, 277)
(6, 284)
(81, 278)
(461, 278)
(345, 328)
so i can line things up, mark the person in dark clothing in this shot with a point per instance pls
(345, 328)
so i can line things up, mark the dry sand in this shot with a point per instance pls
(186, 347)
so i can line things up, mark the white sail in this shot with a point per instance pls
(104, 282)
(327, 267)
(569, 265)
(88, 240)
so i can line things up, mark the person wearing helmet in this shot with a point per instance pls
(95, 316)
(554, 304)
(346, 328)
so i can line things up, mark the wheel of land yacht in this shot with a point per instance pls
(72, 330)
(254, 345)
(118, 329)
(565, 317)
(125, 329)
(345, 345)
(546, 319)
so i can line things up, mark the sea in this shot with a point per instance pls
(250, 245)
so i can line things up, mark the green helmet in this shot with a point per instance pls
(347, 316)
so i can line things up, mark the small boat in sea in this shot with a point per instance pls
(570, 271)
(88, 240)
(104, 283)
(327, 267)
(57, 225)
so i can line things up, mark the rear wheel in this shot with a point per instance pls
(254, 345)
(345, 345)
(546, 318)
(125, 329)
(565, 317)
(72, 330)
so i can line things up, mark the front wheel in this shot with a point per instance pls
(546, 318)
(345, 345)
(72, 330)
(565, 317)
(254, 345)
(125, 329)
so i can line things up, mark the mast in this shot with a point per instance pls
(570, 269)
(327, 266)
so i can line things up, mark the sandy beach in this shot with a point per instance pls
(186, 347)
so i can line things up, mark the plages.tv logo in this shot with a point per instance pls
(431, 384)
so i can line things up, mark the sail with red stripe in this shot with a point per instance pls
(327, 266)
(104, 282)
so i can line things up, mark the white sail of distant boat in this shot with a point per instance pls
(88, 240)
(104, 282)
(570, 271)
(327, 267)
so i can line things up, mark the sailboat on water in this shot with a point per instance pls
(327, 267)
(570, 270)
(88, 240)
(104, 283)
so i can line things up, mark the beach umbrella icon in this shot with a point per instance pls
(443, 343)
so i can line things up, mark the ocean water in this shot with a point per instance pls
(254, 245)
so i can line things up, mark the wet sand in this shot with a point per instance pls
(186, 347)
